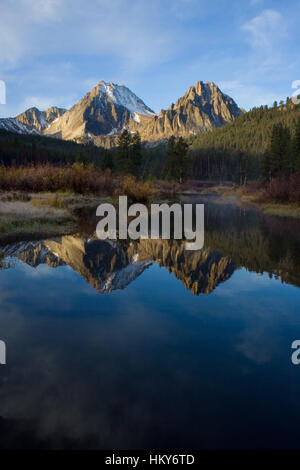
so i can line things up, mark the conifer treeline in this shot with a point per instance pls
(128, 153)
(17, 150)
(235, 151)
(282, 156)
(260, 144)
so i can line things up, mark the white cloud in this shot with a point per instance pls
(43, 10)
(156, 48)
(265, 30)
(18, 23)
(130, 31)
(40, 102)
(44, 102)
(230, 85)
(248, 95)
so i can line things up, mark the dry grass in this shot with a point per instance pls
(17, 183)
(20, 218)
(280, 197)
(282, 210)
(72, 178)
(135, 190)
(42, 213)
(8, 196)
(51, 200)
(17, 227)
(27, 210)
(251, 192)
(282, 189)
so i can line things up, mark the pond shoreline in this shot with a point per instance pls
(246, 197)
(39, 215)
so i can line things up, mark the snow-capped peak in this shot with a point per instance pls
(120, 94)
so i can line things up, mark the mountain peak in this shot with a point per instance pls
(202, 108)
(123, 96)
(33, 118)
(110, 107)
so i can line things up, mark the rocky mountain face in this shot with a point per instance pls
(104, 111)
(202, 108)
(108, 266)
(13, 125)
(109, 108)
(33, 118)
(32, 121)
(200, 271)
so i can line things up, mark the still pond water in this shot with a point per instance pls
(146, 345)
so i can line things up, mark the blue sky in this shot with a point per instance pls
(53, 51)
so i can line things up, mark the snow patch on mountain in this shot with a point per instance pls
(113, 131)
(136, 117)
(120, 94)
(14, 249)
(13, 125)
(43, 121)
(121, 278)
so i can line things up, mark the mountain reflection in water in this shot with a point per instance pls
(234, 238)
(108, 266)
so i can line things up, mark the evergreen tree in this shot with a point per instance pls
(242, 169)
(129, 152)
(81, 158)
(123, 151)
(136, 155)
(107, 161)
(181, 159)
(171, 157)
(296, 147)
(266, 166)
(280, 150)
(177, 161)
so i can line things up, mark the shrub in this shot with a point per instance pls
(284, 188)
(76, 178)
(136, 191)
